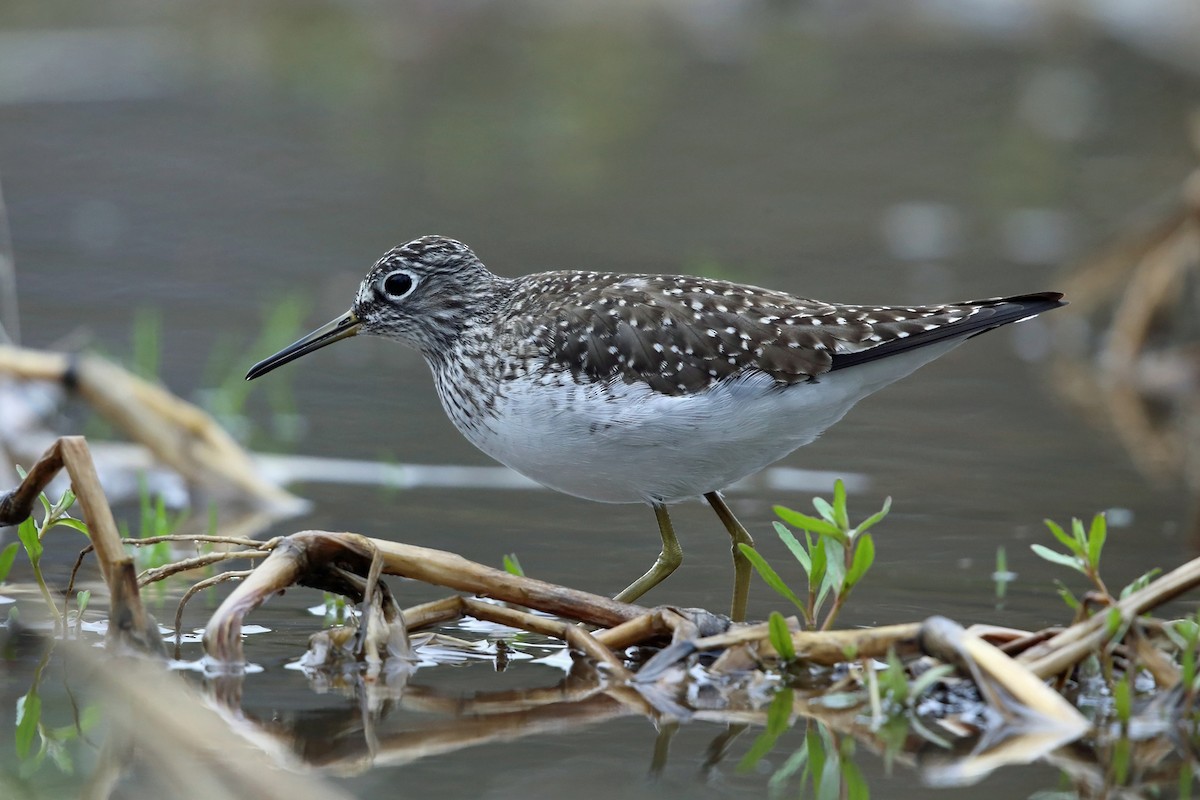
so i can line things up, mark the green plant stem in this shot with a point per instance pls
(45, 590)
(839, 597)
(810, 614)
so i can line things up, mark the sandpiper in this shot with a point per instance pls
(653, 389)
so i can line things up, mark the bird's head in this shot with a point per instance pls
(423, 293)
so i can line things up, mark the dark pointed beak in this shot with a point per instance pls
(343, 327)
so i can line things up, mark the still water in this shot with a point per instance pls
(209, 162)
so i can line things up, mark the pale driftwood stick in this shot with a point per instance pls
(1075, 643)
(179, 434)
(638, 629)
(17, 505)
(129, 622)
(1024, 692)
(101, 525)
(303, 558)
(34, 365)
(223, 634)
(455, 572)
(1166, 674)
(433, 613)
(822, 647)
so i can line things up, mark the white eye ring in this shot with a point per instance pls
(399, 284)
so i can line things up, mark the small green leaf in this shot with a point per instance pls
(770, 576)
(841, 517)
(835, 567)
(7, 556)
(1123, 699)
(876, 518)
(1056, 557)
(1141, 582)
(1120, 758)
(27, 532)
(820, 558)
(1062, 536)
(894, 679)
(807, 523)
(781, 637)
(864, 557)
(1182, 632)
(82, 599)
(820, 575)
(29, 714)
(1096, 537)
(826, 511)
(73, 524)
(1068, 597)
(794, 546)
(1078, 532)
(512, 566)
(1113, 622)
(852, 779)
(65, 502)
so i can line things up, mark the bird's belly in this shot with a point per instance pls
(622, 443)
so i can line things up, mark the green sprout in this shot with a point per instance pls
(30, 533)
(834, 555)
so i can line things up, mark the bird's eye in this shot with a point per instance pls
(398, 284)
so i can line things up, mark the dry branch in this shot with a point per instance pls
(180, 435)
(308, 559)
(1077, 642)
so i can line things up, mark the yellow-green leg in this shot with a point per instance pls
(670, 557)
(741, 564)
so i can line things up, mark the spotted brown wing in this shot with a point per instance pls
(681, 334)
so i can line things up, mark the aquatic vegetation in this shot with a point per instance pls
(834, 562)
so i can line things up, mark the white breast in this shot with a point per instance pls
(622, 443)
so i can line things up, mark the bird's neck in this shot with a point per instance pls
(467, 319)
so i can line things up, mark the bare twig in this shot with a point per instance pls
(149, 576)
(238, 541)
(179, 434)
(306, 558)
(1067, 648)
